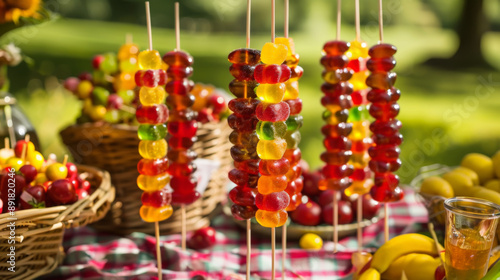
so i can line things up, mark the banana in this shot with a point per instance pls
(421, 267)
(395, 270)
(402, 245)
(370, 274)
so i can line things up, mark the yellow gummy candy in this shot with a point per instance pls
(149, 59)
(153, 149)
(153, 183)
(273, 53)
(358, 80)
(152, 214)
(360, 130)
(359, 187)
(124, 81)
(271, 93)
(292, 90)
(271, 219)
(152, 96)
(128, 51)
(359, 160)
(358, 49)
(271, 149)
(288, 42)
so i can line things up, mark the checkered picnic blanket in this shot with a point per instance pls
(94, 255)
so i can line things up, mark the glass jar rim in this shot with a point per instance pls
(493, 213)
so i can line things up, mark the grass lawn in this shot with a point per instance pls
(445, 114)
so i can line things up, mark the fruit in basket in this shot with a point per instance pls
(345, 215)
(311, 241)
(460, 183)
(435, 185)
(18, 149)
(29, 172)
(469, 173)
(311, 181)
(56, 171)
(32, 197)
(61, 192)
(493, 185)
(370, 207)
(307, 214)
(481, 164)
(202, 238)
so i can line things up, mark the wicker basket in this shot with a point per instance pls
(39, 232)
(114, 148)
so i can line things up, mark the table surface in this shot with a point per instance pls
(94, 255)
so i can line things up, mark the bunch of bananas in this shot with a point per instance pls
(414, 255)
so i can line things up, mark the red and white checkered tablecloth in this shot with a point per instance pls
(94, 255)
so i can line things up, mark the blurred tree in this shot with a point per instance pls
(471, 27)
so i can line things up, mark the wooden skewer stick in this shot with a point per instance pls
(157, 226)
(177, 28)
(183, 227)
(360, 219)
(6, 143)
(335, 222)
(65, 160)
(339, 6)
(358, 25)
(27, 138)
(433, 234)
(273, 20)
(249, 247)
(148, 24)
(284, 232)
(158, 251)
(380, 21)
(287, 17)
(386, 222)
(273, 250)
(249, 12)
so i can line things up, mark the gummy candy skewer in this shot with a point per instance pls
(157, 226)
(284, 229)
(249, 224)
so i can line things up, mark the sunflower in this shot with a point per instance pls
(12, 10)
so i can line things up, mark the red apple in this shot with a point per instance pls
(345, 213)
(311, 181)
(72, 171)
(308, 214)
(202, 238)
(326, 197)
(29, 172)
(61, 192)
(370, 207)
(33, 197)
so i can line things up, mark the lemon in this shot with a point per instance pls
(460, 183)
(496, 163)
(481, 164)
(493, 185)
(311, 241)
(469, 173)
(437, 186)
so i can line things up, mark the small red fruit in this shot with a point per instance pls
(85, 185)
(202, 238)
(370, 207)
(345, 213)
(96, 61)
(29, 172)
(72, 170)
(440, 273)
(311, 181)
(33, 197)
(308, 214)
(62, 192)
